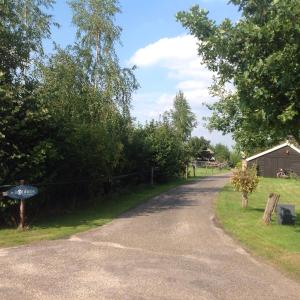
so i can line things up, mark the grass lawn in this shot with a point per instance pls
(208, 171)
(78, 221)
(279, 244)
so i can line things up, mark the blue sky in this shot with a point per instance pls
(166, 55)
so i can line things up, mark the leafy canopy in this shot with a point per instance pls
(257, 65)
(221, 153)
(24, 125)
(197, 145)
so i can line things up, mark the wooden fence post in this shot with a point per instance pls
(22, 210)
(270, 207)
(186, 171)
(194, 170)
(244, 165)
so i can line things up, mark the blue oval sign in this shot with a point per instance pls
(22, 192)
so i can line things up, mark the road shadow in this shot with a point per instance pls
(212, 178)
(166, 202)
(177, 198)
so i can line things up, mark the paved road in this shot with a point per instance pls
(168, 248)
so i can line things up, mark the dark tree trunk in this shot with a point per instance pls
(244, 200)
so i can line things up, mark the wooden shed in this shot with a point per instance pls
(285, 156)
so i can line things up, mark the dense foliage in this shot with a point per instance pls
(197, 148)
(256, 62)
(184, 119)
(65, 120)
(245, 181)
(235, 157)
(222, 153)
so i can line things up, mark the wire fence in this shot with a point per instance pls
(65, 196)
(99, 179)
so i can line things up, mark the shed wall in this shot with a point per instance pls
(269, 164)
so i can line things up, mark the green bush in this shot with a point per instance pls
(245, 181)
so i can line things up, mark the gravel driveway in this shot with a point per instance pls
(167, 248)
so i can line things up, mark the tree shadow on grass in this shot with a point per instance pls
(297, 222)
(125, 208)
(109, 210)
(74, 220)
(256, 209)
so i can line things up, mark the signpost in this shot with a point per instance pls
(21, 192)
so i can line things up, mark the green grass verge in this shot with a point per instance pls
(65, 225)
(200, 172)
(279, 244)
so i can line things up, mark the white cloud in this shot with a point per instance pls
(191, 84)
(165, 51)
(178, 58)
(151, 105)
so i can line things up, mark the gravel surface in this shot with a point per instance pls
(167, 248)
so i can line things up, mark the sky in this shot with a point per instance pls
(163, 51)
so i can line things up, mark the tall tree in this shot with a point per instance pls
(23, 26)
(24, 127)
(88, 94)
(184, 120)
(97, 37)
(197, 145)
(97, 32)
(235, 157)
(259, 56)
(221, 153)
(165, 148)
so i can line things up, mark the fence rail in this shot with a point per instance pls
(102, 179)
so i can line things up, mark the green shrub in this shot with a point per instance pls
(245, 181)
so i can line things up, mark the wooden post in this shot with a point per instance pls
(244, 199)
(244, 165)
(270, 207)
(194, 170)
(186, 171)
(152, 176)
(22, 210)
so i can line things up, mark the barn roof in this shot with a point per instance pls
(273, 149)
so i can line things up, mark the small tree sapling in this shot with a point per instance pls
(245, 181)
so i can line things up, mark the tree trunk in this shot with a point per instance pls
(244, 200)
(186, 171)
(244, 165)
(22, 214)
(22, 210)
(98, 49)
(152, 176)
(270, 207)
